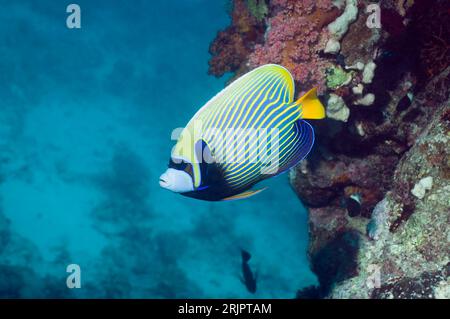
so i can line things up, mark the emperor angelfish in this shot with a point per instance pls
(250, 131)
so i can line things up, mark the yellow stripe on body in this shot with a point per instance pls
(290, 98)
(259, 117)
(243, 105)
(271, 69)
(289, 108)
(185, 145)
(226, 99)
(238, 105)
(235, 126)
(236, 179)
(285, 157)
(237, 94)
(232, 105)
(286, 79)
(233, 173)
(215, 108)
(240, 138)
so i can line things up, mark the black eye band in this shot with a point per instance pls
(182, 166)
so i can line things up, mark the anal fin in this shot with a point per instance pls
(245, 194)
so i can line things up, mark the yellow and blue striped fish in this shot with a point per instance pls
(248, 132)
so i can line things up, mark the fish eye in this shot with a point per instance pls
(182, 166)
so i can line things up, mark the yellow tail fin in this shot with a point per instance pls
(311, 107)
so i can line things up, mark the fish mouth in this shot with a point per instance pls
(163, 181)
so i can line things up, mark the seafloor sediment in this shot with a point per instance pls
(377, 183)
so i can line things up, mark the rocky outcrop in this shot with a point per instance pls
(402, 251)
(377, 182)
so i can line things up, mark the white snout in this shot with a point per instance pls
(176, 181)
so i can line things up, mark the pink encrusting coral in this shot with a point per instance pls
(295, 37)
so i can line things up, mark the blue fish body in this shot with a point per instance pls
(250, 131)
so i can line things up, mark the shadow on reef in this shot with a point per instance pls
(333, 263)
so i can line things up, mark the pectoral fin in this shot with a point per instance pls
(245, 194)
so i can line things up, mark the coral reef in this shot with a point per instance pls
(294, 37)
(402, 231)
(258, 8)
(232, 45)
(292, 34)
(376, 183)
(407, 235)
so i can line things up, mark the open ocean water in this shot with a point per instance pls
(86, 117)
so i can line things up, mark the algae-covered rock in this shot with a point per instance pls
(258, 8)
(337, 109)
(337, 77)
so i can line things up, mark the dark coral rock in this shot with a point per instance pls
(324, 224)
(421, 287)
(358, 45)
(337, 260)
(310, 292)
(392, 22)
(353, 206)
(322, 184)
(431, 26)
(312, 194)
(409, 229)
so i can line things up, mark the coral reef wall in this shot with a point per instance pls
(377, 182)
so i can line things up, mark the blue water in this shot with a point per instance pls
(85, 123)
